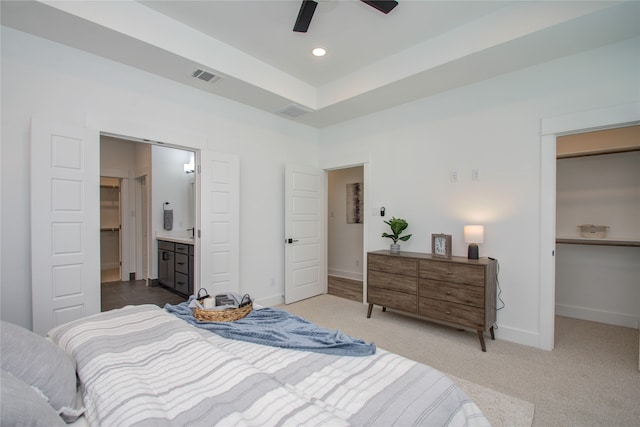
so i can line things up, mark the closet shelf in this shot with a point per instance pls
(598, 242)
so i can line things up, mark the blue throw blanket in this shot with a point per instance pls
(279, 328)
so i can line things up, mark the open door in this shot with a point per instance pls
(65, 224)
(305, 270)
(219, 234)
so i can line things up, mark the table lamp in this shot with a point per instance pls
(473, 234)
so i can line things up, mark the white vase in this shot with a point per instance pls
(394, 248)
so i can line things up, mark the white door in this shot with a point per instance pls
(65, 224)
(219, 234)
(305, 271)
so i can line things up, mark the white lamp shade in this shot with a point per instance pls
(474, 233)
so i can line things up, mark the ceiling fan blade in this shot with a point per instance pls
(384, 6)
(307, 8)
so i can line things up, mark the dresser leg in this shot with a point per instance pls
(493, 337)
(369, 311)
(384, 309)
(481, 336)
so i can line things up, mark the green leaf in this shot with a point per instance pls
(397, 225)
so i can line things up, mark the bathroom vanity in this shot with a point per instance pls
(175, 264)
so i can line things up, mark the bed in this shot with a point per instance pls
(143, 366)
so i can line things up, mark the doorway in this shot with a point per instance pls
(128, 228)
(110, 220)
(598, 178)
(345, 232)
(551, 128)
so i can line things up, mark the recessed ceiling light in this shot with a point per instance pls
(319, 51)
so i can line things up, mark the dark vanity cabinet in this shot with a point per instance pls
(175, 266)
(166, 263)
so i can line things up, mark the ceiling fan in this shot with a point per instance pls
(308, 7)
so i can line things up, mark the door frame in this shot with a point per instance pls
(124, 128)
(363, 160)
(141, 209)
(132, 199)
(551, 128)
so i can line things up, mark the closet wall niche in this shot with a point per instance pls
(598, 182)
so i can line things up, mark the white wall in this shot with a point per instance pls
(53, 81)
(599, 283)
(600, 190)
(170, 184)
(492, 126)
(344, 240)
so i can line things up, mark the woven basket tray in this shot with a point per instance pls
(228, 315)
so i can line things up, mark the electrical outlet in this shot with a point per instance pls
(453, 176)
(475, 175)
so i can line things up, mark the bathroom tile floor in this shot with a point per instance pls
(133, 292)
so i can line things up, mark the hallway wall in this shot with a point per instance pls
(344, 240)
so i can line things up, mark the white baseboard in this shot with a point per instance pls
(601, 316)
(110, 265)
(345, 274)
(518, 336)
(270, 301)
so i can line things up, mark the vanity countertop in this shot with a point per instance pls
(183, 240)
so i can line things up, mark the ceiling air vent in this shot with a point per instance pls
(294, 110)
(205, 76)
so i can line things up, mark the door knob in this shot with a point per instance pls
(290, 240)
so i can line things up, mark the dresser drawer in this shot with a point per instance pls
(452, 292)
(392, 282)
(452, 272)
(392, 299)
(393, 264)
(459, 314)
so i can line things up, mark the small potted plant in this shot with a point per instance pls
(397, 225)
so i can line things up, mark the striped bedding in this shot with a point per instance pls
(142, 366)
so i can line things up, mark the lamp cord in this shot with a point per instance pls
(498, 283)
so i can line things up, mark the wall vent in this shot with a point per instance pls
(205, 76)
(294, 110)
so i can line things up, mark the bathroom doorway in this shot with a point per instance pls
(128, 204)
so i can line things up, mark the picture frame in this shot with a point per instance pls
(441, 245)
(355, 203)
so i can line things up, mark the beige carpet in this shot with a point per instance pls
(500, 409)
(591, 378)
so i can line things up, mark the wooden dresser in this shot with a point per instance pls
(455, 291)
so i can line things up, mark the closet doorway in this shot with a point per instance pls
(598, 183)
(110, 229)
